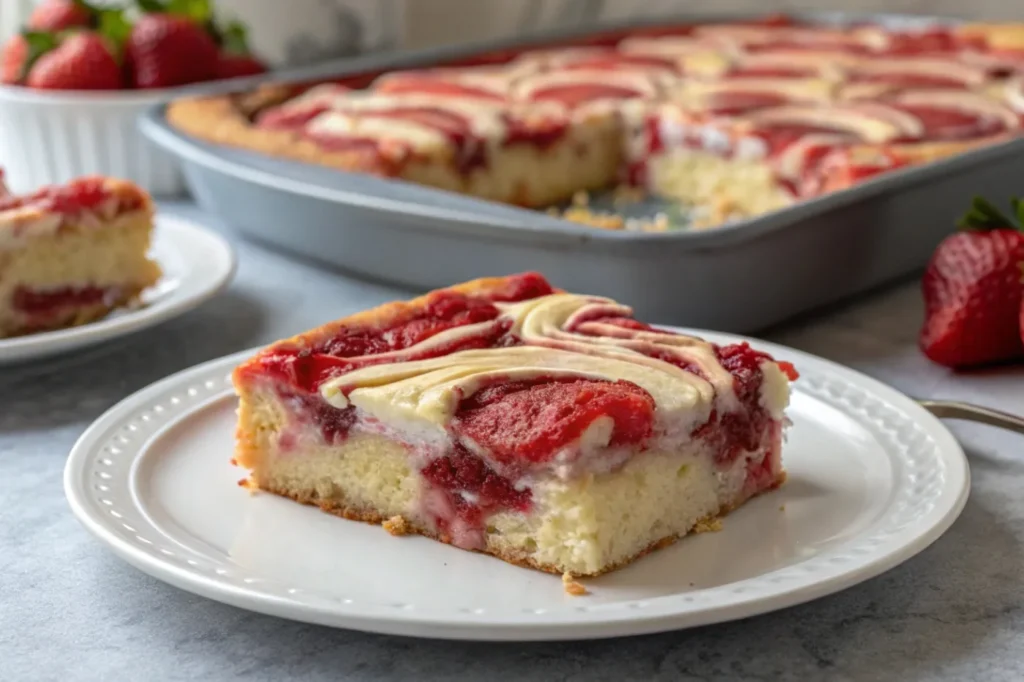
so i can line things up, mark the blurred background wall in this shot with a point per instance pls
(431, 22)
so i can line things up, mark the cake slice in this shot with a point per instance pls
(70, 254)
(549, 429)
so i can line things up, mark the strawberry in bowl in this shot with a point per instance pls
(82, 73)
(974, 290)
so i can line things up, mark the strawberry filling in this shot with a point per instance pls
(435, 85)
(470, 492)
(84, 194)
(779, 137)
(576, 95)
(284, 118)
(617, 61)
(736, 103)
(50, 302)
(753, 71)
(936, 41)
(810, 44)
(953, 124)
(523, 422)
(908, 80)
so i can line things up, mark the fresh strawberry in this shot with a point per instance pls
(235, 58)
(14, 60)
(235, 66)
(165, 50)
(81, 61)
(973, 291)
(58, 15)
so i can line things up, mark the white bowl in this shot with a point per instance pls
(52, 137)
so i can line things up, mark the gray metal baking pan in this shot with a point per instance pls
(741, 277)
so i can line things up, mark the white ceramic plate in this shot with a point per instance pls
(197, 264)
(873, 480)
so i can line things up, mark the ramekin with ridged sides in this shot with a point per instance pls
(52, 137)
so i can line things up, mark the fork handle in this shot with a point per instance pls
(948, 409)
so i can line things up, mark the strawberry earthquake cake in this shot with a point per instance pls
(70, 254)
(548, 429)
(737, 119)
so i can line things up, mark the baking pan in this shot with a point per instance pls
(740, 277)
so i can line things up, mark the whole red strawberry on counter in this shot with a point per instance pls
(973, 290)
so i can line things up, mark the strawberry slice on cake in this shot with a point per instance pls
(549, 429)
(70, 254)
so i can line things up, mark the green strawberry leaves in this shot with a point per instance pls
(984, 216)
(92, 9)
(199, 11)
(115, 28)
(39, 43)
(233, 38)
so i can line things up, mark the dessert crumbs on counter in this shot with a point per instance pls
(782, 508)
(584, 216)
(625, 195)
(396, 526)
(571, 587)
(708, 526)
(234, 462)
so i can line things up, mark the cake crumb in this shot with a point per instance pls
(396, 525)
(584, 216)
(572, 587)
(782, 508)
(234, 462)
(708, 526)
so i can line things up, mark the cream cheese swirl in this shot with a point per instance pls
(562, 336)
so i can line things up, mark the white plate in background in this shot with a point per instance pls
(197, 264)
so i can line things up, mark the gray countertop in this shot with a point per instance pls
(69, 610)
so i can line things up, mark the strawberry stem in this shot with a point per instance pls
(984, 216)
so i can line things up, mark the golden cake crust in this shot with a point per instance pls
(223, 120)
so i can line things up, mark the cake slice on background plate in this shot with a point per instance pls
(72, 253)
(551, 430)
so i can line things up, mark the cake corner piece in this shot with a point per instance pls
(72, 253)
(549, 429)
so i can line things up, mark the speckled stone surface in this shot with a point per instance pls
(69, 610)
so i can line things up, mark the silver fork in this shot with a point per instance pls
(951, 409)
